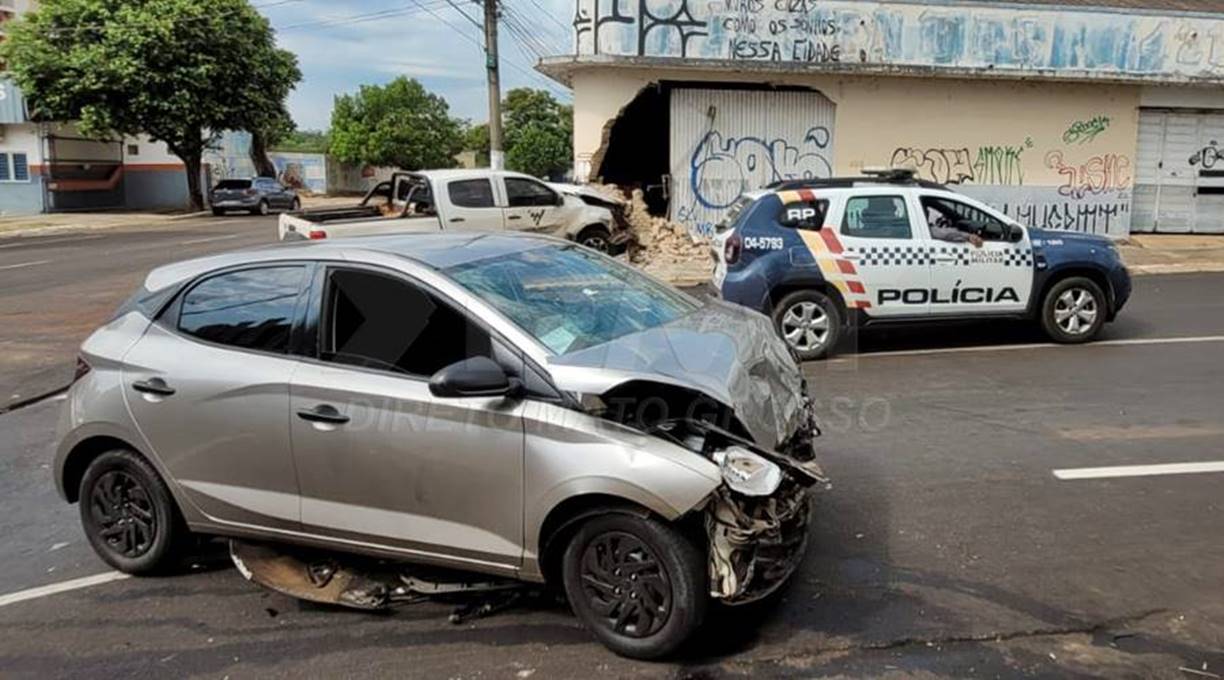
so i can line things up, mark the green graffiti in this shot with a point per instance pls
(1084, 131)
(999, 165)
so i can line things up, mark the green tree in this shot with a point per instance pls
(476, 138)
(539, 130)
(400, 124)
(180, 71)
(304, 141)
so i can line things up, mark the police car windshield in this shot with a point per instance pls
(570, 298)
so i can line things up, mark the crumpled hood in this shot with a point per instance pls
(727, 352)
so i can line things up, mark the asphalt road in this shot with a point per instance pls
(55, 289)
(946, 546)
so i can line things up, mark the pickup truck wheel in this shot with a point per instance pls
(217, 212)
(296, 205)
(262, 209)
(638, 584)
(596, 237)
(128, 514)
(1074, 310)
(809, 322)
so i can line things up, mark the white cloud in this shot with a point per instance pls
(441, 49)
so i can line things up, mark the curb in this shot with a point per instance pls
(1181, 268)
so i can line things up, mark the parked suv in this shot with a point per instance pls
(510, 404)
(258, 196)
(819, 255)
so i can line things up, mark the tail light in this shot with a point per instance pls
(82, 368)
(732, 249)
(317, 234)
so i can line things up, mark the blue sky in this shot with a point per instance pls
(340, 47)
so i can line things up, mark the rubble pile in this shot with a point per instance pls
(666, 249)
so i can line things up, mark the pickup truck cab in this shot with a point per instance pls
(820, 255)
(486, 200)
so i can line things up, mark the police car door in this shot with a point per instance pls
(876, 232)
(996, 278)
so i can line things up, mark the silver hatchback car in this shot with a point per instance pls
(507, 404)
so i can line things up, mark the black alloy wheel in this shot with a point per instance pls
(626, 585)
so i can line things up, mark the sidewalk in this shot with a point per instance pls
(1173, 253)
(41, 225)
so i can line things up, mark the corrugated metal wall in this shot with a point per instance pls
(1179, 174)
(727, 142)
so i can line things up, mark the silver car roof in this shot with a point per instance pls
(433, 250)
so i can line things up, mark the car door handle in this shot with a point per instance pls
(515, 217)
(323, 413)
(155, 386)
(852, 256)
(457, 219)
(945, 258)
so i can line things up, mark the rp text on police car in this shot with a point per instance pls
(820, 255)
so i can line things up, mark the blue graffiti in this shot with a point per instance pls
(722, 169)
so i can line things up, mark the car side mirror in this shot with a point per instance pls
(475, 377)
(1015, 234)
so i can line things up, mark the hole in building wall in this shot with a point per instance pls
(634, 151)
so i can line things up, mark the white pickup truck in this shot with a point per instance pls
(437, 200)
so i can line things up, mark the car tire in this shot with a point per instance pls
(217, 212)
(596, 237)
(810, 323)
(1074, 310)
(262, 209)
(601, 588)
(128, 514)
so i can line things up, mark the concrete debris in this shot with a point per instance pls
(662, 248)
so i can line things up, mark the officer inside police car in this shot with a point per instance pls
(942, 231)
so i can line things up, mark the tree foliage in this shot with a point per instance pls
(400, 124)
(538, 132)
(180, 71)
(304, 141)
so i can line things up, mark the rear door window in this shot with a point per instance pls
(247, 309)
(877, 217)
(471, 193)
(234, 184)
(378, 321)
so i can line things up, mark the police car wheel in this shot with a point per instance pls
(1073, 310)
(809, 322)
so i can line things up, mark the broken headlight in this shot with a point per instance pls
(748, 473)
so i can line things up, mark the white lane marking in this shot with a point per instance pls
(62, 587)
(40, 242)
(1140, 470)
(1039, 345)
(209, 239)
(25, 264)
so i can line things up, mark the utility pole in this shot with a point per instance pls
(497, 159)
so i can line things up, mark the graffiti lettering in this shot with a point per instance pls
(946, 166)
(1003, 38)
(1092, 218)
(1098, 175)
(999, 165)
(1084, 131)
(1208, 156)
(723, 168)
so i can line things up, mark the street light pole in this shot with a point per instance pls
(497, 159)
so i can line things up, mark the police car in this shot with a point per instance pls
(821, 255)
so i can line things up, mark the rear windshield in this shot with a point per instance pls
(234, 184)
(569, 298)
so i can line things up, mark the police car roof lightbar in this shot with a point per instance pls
(870, 176)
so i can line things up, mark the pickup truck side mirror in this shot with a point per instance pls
(475, 377)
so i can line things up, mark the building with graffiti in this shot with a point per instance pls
(1103, 117)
